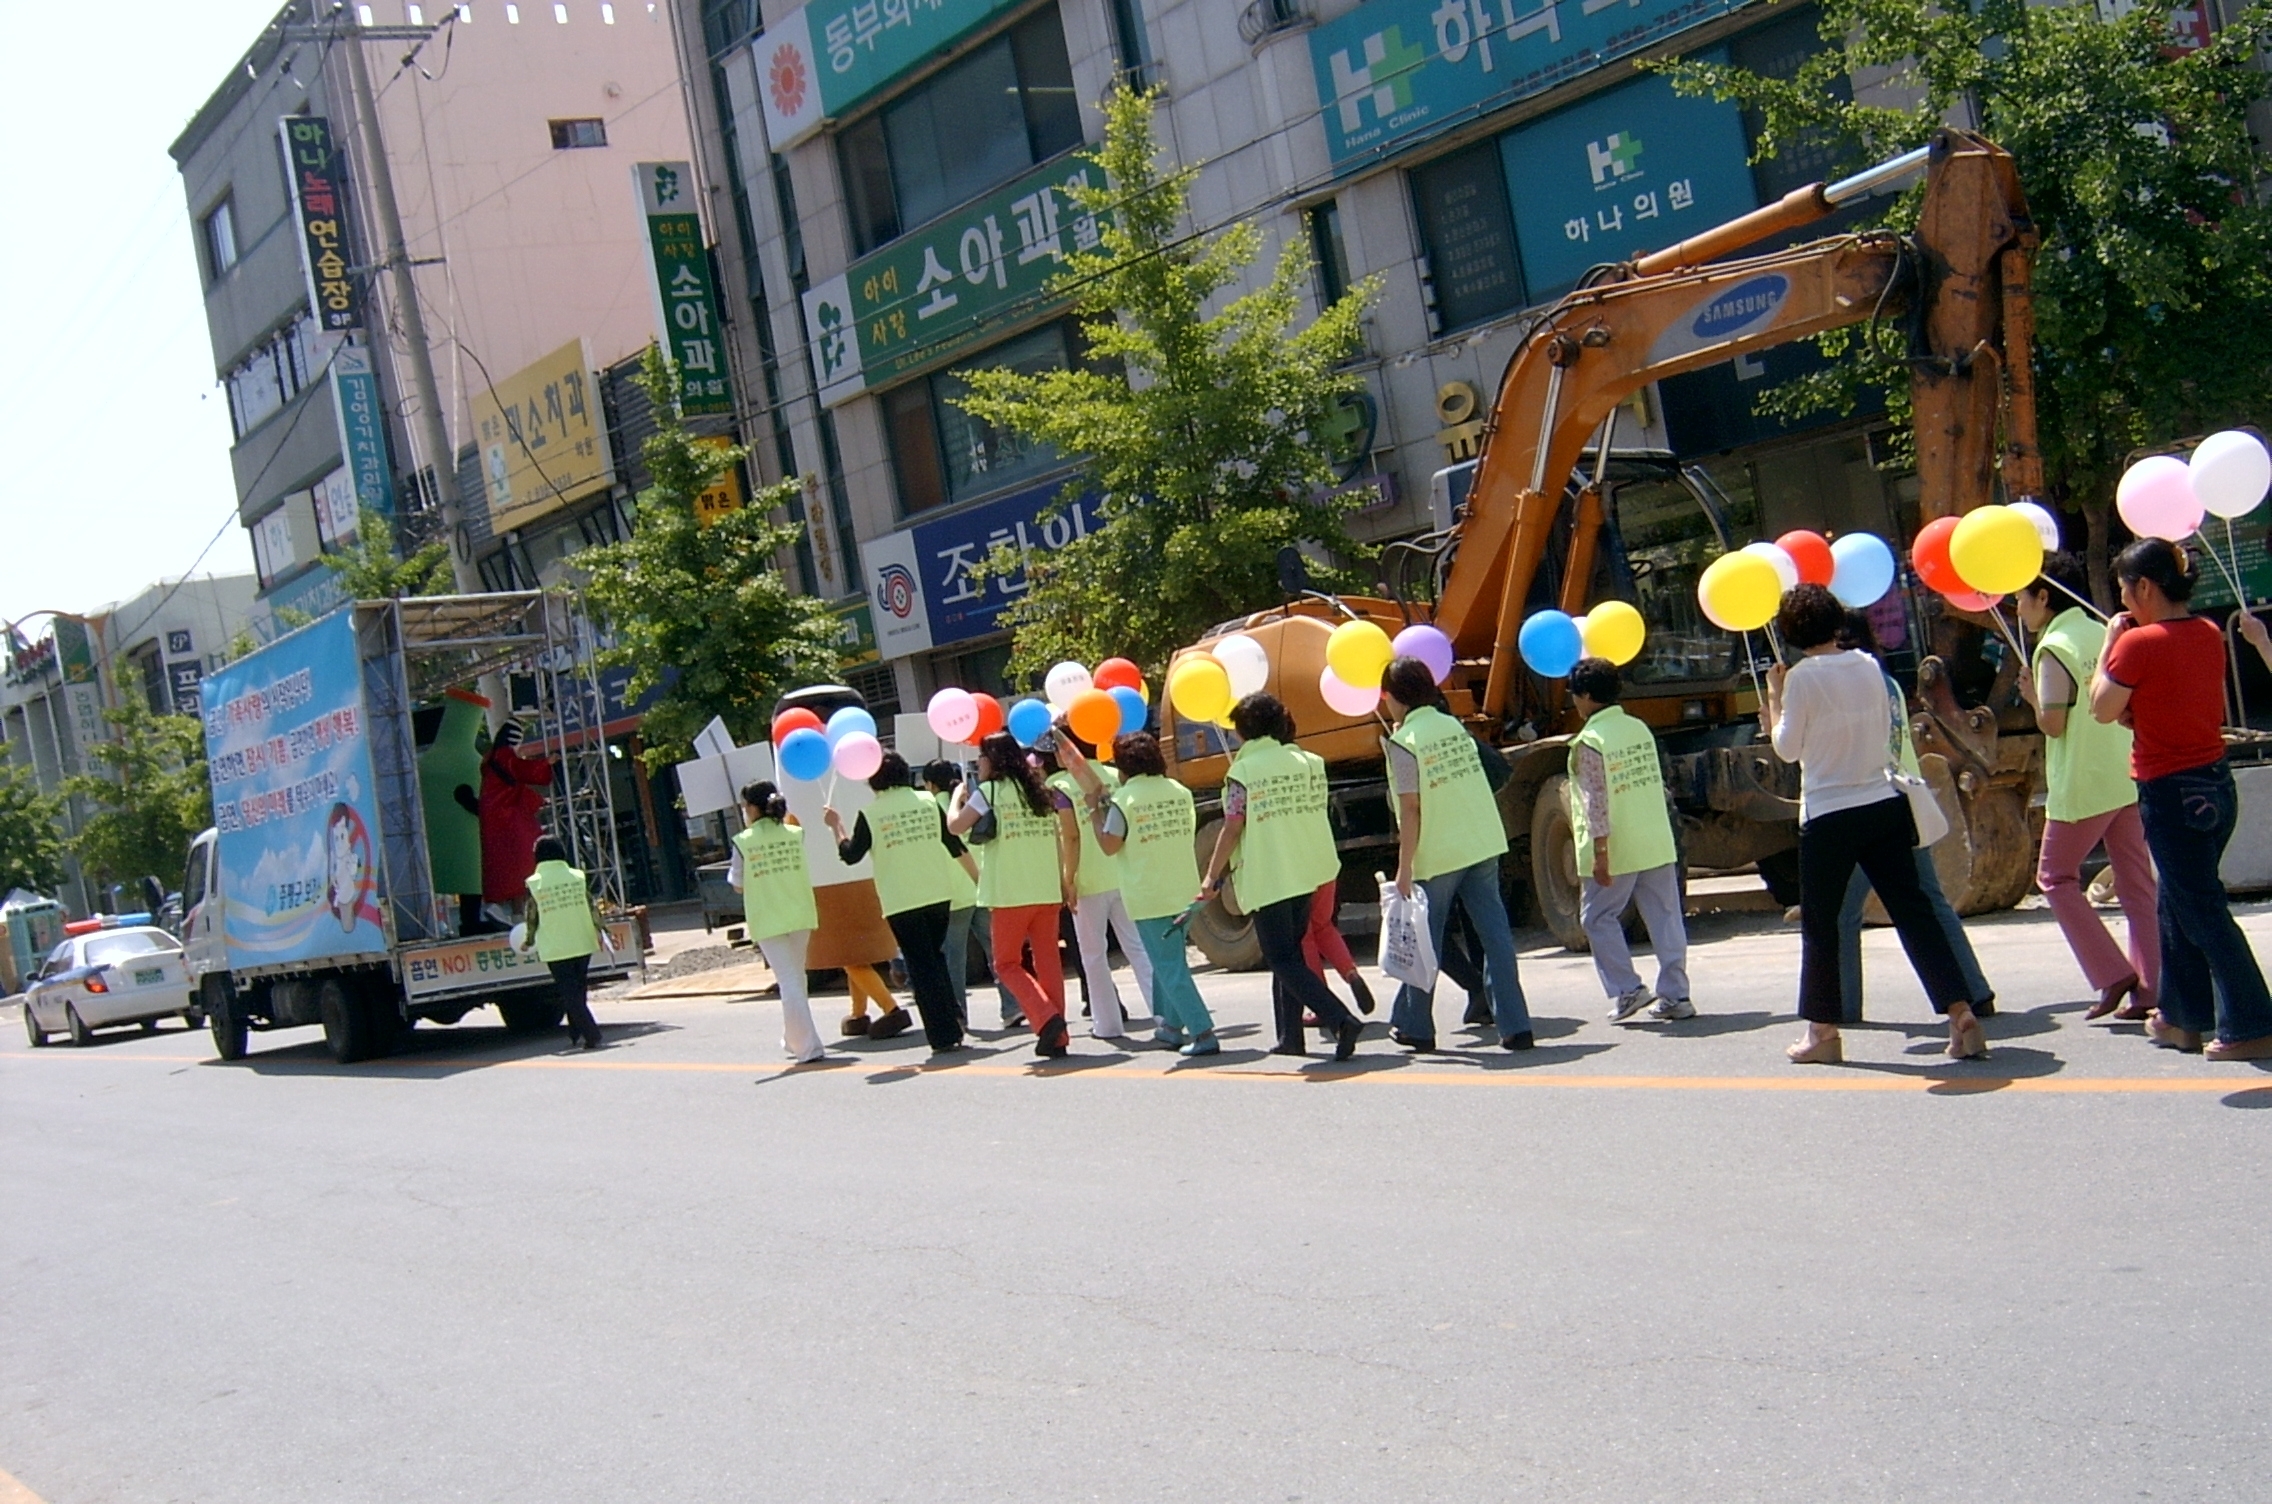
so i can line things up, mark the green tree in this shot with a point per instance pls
(31, 837)
(150, 799)
(704, 599)
(369, 571)
(1205, 436)
(2154, 283)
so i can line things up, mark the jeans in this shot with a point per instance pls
(2059, 874)
(1091, 915)
(1413, 1014)
(955, 952)
(1176, 1003)
(786, 955)
(1293, 986)
(570, 979)
(2210, 978)
(922, 935)
(1976, 988)
(1602, 911)
(982, 925)
(1880, 838)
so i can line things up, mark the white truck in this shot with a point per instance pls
(311, 900)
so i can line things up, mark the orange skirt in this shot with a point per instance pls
(852, 929)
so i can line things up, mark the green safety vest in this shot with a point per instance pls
(960, 883)
(777, 886)
(2086, 768)
(1021, 861)
(1640, 830)
(1459, 816)
(1099, 873)
(1159, 861)
(1287, 849)
(909, 857)
(563, 900)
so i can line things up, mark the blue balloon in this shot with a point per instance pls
(1551, 644)
(1865, 569)
(1029, 721)
(848, 720)
(804, 755)
(1133, 711)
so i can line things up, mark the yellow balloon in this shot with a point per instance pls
(1996, 550)
(1740, 592)
(1358, 652)
(1614, 630)
(1199, 688)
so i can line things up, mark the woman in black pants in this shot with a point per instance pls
(1833, 715)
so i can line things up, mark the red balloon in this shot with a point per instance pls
(1811, 552)
(1118, 673)
(1929, 556)
(990, 717)
(794, 718)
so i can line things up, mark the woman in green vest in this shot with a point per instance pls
(564, 929)
(1623, 833)
(1098, 907)
(2091, 799)
(906, 833)
(1449, 840)
(1021, 883)
(1148, 821)
(1277, 838)
(940, 780)
(768, 869)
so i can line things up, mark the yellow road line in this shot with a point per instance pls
(12, 1492)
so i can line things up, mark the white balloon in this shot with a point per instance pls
(2046, 525)
(1245, 661)
(2231, 471)
(1786, 567)
(1065, 683)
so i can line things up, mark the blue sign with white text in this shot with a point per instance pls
(920, 580)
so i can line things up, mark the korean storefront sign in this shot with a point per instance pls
(541, 440)
(820, 60)
(686, 299)
(920, 580)
(362, 425)
(937, 292)
(1630, 169)
(723, 495)
(1393, 72)
(319, 206)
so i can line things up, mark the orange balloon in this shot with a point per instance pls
(1094, 716)
(990, 717)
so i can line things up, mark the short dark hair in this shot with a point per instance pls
(1412, 683)
(2063, 579)
(1137, 755)
(1597, 680)
(2160, 561)
(769, 802)
(941, 775)
(1856, 635)
(549, 849)
(1810, 616)
(1259, 715)
(891, 773)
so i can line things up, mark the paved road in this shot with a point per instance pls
(1634, 1265)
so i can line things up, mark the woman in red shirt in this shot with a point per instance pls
(2163, 675)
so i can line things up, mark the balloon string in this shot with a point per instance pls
(1774, 642)
(2240, 596)
(1996, 613)
(1751, 662)
(2088, 605)
(2233, 548)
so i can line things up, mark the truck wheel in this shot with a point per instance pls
(81, 1035)
(342, 1012)
(225, 1018)
(531, 1012)
(1554, 865)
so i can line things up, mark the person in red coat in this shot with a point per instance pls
(513, 785)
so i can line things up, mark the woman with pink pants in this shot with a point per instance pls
(2091, 799)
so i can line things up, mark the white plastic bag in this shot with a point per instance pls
(1408, 953)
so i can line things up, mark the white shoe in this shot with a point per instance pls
(1669, 1009)
(1626, 1004)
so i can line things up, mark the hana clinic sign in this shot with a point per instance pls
(686, 299)
(1395, 72)
(540, 438)
(920, 583)
(937, 292)
(319, 205)
(820, 60)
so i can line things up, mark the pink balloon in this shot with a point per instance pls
(1970, 600)
(1430, 646)
(2156, 499)
(857, 755)
(1344, 698)
(953, 715)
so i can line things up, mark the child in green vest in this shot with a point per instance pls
(1623, 832)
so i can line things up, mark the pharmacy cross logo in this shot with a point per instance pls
(787, 78)
(1612, 161)
(1386, 78)
(895, 590)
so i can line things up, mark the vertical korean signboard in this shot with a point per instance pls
(293, 799)
(82, 693)
(686, 300)
(362, 425)
(319, 208)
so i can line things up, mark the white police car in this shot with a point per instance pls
(131, 975)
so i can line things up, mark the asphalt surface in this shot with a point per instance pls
(1635, 1264)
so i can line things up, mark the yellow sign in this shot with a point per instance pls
(722, 495)
(541, 438)
(1462, 433)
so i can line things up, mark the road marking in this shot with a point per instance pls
(12, 1492)
(1850, 1078)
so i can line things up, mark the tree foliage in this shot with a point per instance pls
(31, 837)
(150, 798)
(704, 602)
(369, 571)
(2154, 283)
(1202, 434)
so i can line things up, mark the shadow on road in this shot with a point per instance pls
(2250, 1097)
(1970, 1078)
(437, 1053)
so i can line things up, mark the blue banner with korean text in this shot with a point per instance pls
(920, 581)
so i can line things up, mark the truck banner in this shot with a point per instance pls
(486, 963)
(293, 800)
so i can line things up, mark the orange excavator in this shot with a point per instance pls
(1557, 515)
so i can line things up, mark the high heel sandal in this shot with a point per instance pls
(1968, 1041)
(1826, 1051)
(2110, 998)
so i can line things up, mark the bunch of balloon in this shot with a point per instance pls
(1199, 688)
(1356, 656)
(1995, 551)
(2164, 497)
(1741, 591)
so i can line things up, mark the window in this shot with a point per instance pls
(568, 135)
(988, 117)
(149, 666)
(110, 950)
(944, 455)
(1129, 40)
(1330, 260)
(1778, 50)
(220, 239)
(1469, 235)
(272, 546)
(274, 373)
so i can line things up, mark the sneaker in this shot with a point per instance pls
(1205, 1044)
(1171, 1038)
(1363, 994)
(1670, 1009)
(1626, 1004)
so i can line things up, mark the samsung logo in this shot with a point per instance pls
(1742, 307)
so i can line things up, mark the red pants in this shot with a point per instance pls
(1040, 991)
(1322, 945)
